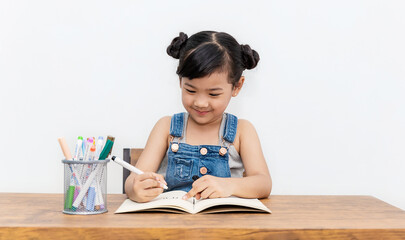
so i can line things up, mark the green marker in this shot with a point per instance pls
(106, 150)
(70, 194)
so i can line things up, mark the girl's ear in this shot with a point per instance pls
(238, 86)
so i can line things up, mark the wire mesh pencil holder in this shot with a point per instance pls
(85, 186)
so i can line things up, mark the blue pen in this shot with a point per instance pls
(83, 148)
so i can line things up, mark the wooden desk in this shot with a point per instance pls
(39, 216)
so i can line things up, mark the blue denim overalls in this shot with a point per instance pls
(186, 161)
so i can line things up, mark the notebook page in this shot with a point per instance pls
(234, 201)
(172, 199)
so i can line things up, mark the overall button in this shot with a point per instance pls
(203, 151)
(175, 147)
(222, 151)
(203, 170)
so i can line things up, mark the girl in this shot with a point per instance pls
(204, 151)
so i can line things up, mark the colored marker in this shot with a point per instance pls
(131, 168)
(83, 147)
(106, 150)
(76, 180)
(78, 148)
(99, 147)
(112, 139)
(91, 197)
(87, 150)
(70, 194)
(85, 171)
(92, 153)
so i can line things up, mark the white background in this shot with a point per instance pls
(327, 97)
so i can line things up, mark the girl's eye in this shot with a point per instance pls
(190, 91)
(215, 94)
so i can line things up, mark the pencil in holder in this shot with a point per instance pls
(85, 186)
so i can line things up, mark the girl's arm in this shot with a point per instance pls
(156, 146)
(256, 184)
(145, 187)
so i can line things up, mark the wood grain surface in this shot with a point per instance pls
(39, 216)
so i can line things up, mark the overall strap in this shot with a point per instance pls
(176, 125)
(231, 124)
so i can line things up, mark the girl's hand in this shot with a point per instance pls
(147, 186)
(210, 187)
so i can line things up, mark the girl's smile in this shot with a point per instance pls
(201, 113)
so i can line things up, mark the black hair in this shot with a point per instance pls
(209, 51)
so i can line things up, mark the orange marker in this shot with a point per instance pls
(65, 148)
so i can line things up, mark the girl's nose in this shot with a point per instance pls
(201, 102)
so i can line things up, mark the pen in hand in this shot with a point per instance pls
(131, 168)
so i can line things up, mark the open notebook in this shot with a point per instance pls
(172, 202)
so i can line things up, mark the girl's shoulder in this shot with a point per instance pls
(247, 139)
(161, 130)
(164, 122)
(244, 133)
(244, 125)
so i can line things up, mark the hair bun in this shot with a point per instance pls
(174, 48)
(250, 57)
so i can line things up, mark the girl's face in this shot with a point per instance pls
(206, 98)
